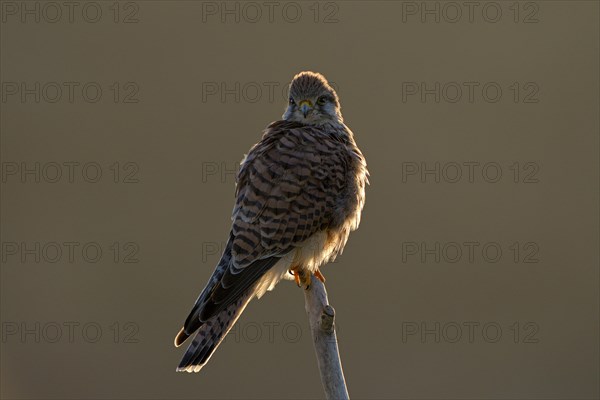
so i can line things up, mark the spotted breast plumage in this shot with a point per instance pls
(300, 191)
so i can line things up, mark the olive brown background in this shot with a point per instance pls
(474, 273)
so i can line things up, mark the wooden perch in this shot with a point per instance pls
(321, 317)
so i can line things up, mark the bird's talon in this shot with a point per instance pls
(320, 276)
(296, 276)
(303, 278)
(306, 281)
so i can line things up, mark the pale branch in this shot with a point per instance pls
(321, 317)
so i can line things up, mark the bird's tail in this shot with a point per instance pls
(210, 335)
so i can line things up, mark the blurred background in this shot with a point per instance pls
(474, 274)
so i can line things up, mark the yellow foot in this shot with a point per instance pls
(296, 276)
(320, 276)
(301, 277)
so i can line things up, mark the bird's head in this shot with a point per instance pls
(312, 101)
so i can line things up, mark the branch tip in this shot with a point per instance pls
(321, 317)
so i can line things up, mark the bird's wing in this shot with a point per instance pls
(286, 190)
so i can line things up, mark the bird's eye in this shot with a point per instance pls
(292, 102)
(322, 100)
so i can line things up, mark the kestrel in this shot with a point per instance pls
(299, 193)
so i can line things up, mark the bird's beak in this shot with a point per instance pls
(305, 107)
